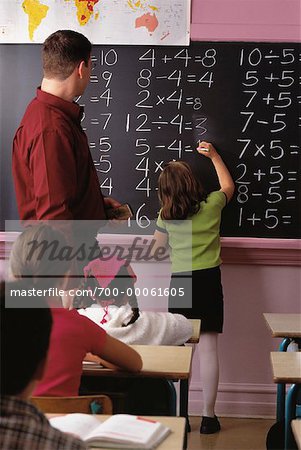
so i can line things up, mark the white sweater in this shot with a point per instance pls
(151, 328)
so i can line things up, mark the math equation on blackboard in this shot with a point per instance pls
(146, 106)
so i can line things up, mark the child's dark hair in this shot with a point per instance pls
(180, 193)
(25, 335)
(122, 285)
(123, 282)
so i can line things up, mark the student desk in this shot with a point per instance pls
(287, 369)
(172, 363)
(296, 427)
(284, 326)
(288, 327)
(175, 440)
(196, 325)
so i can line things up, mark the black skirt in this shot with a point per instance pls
(198, 295)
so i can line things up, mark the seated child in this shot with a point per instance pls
(111, 284)
(25, 337)
(73, 336)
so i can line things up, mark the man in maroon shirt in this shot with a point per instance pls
(53, 171)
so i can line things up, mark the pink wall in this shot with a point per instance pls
(246, 20)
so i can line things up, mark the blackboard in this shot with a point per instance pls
(145, 106)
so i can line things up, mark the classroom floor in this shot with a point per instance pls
(236, 434)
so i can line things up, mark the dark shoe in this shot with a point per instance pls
(210, 425)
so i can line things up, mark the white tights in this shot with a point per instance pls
(209, 370)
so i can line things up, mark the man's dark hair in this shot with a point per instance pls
(63, 51)
(25, 334)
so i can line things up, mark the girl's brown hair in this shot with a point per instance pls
(180, 193)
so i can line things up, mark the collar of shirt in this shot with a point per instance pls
(72, 109)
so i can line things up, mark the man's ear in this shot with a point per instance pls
(80, 69)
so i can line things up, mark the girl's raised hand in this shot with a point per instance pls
(207, 149)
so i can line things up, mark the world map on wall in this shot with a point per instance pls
(153, 22)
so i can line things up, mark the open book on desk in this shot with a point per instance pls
(119, 431)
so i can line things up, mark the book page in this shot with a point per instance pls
(126, 428)
(121, 430)
(162, 434)
(78, 424)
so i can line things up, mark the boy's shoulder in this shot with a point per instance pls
(24, 426)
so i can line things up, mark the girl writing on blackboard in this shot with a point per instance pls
(189, 222)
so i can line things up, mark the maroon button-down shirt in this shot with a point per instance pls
(53, 171)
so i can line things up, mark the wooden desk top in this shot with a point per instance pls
(296, 427)
(159, 361)
(174, 441)
(196, 325)
(286, 367)
(284, 325)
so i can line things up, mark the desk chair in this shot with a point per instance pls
(88, 404)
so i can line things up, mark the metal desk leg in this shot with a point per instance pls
(173, 403)
(284, 344)
(290, 414)
(280, 401)
(184, 387)
(184, 398)
(281, 386)
(172, 398)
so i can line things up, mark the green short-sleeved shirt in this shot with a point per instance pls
(195, 242)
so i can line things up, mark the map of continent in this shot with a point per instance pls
(85, 10)
(148, 21)
(36, 12)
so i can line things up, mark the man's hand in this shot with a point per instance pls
(111, 202)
